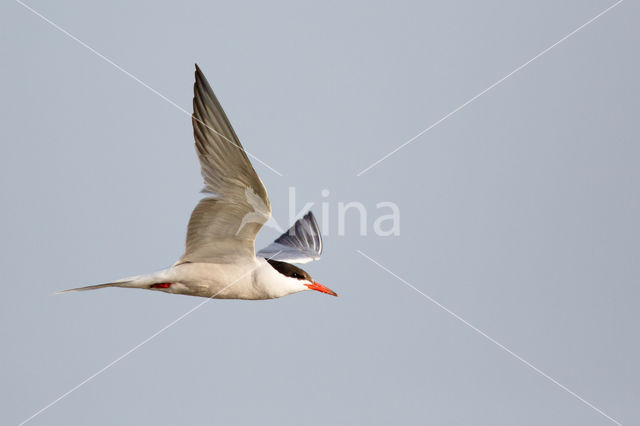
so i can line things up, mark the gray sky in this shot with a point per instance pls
(519, 213)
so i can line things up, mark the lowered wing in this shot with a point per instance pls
(302, 243)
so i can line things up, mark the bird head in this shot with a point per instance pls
(302, 277)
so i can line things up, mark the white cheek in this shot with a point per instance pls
(297, 285)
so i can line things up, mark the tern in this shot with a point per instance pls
(220, 260)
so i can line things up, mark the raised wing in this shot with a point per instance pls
(302, 243)
(223, 226)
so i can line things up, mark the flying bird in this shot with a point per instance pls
(220, 260)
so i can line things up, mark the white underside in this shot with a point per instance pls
(253, 279)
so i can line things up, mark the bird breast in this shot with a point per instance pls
(253, 279)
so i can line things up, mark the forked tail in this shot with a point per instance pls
(149, 281)
(95, 287)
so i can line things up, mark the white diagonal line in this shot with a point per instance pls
(127, 73)
(489, 88)
(491, 339)
(135, 348)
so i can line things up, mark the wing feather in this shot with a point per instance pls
(302, 243)
(223, 226)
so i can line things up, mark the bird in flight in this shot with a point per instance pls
(220, 260)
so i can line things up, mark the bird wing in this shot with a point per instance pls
(224, 225)
(302, 243)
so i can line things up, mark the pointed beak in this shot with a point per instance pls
(319, 287)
